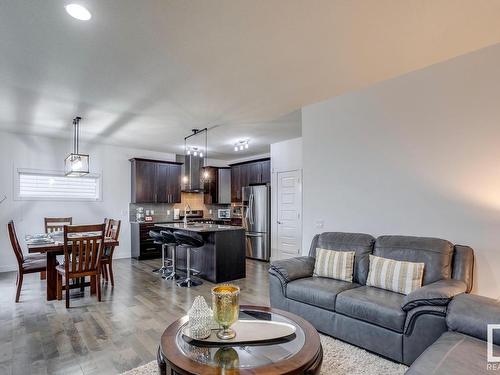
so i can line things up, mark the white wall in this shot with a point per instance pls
(285, 156)
(415, 155)
(22, 151)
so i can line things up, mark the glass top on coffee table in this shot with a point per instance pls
(244, 355)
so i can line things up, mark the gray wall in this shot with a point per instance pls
(416, 155)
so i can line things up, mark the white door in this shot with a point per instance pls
(289, 213)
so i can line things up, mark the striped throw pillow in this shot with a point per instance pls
(334, 264)
(397, 276)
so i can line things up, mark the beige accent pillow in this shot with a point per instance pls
(397, 276)
(333, 264)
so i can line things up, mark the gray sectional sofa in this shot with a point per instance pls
(393, 325)
(462, 350)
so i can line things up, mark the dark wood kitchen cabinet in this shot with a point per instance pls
(249, 173)
(216, 185)
(143, 181)
(265, 172)
(155, 181)
(168, 182)
(235, 183)
(143, 246)
(210, 185)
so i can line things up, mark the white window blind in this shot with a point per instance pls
(56, 186)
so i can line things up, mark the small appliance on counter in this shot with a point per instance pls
(224, 213)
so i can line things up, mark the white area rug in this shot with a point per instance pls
(339, 358)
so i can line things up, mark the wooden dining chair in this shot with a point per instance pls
(112, 231)
(56, 224)
(83, 247)
(25, 264)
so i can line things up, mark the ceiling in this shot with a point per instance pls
(143, 73)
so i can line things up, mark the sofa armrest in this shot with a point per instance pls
(291, 269)
(470, 314)
(438, 293)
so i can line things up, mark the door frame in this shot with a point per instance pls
(275, 251)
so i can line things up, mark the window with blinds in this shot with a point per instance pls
(56, 186)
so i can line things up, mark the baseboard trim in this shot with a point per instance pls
(8, 268)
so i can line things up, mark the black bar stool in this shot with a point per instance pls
(165, 239)
(188, 241)
(170, 240)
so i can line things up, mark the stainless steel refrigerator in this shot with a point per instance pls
(256, 218)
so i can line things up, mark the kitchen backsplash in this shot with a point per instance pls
(165, 211)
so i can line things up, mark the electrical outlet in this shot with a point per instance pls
(168, 212)
(210, 212)
(152, 212)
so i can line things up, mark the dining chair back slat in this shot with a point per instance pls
(83, 246)
(56, 224)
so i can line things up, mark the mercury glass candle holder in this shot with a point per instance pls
(226, 308)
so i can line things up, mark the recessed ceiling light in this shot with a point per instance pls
(79, 12)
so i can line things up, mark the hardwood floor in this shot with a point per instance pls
(115, 335)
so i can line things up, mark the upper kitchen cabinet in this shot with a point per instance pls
(168, 182)
(235, 183)
(155, 181)
(217, 185)
(249, 173)
(265, 171)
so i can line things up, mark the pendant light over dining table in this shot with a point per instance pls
(76, 164)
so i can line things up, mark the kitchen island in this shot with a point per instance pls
(221, 258)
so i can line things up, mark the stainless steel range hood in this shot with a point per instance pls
(191, 177)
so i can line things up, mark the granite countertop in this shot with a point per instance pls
(203, 228)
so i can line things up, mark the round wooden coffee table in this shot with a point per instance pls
(301, 354)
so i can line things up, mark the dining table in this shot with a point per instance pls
(52, 249)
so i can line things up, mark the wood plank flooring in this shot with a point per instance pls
(115, 335)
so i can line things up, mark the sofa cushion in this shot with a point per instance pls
(317, 291)
(360, 243)
(373, 305)
(434, 252)
(395, 275)
(338, 265)
(453, 353)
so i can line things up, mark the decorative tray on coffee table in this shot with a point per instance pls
(247, 332)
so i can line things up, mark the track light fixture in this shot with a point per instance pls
(241, 145)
